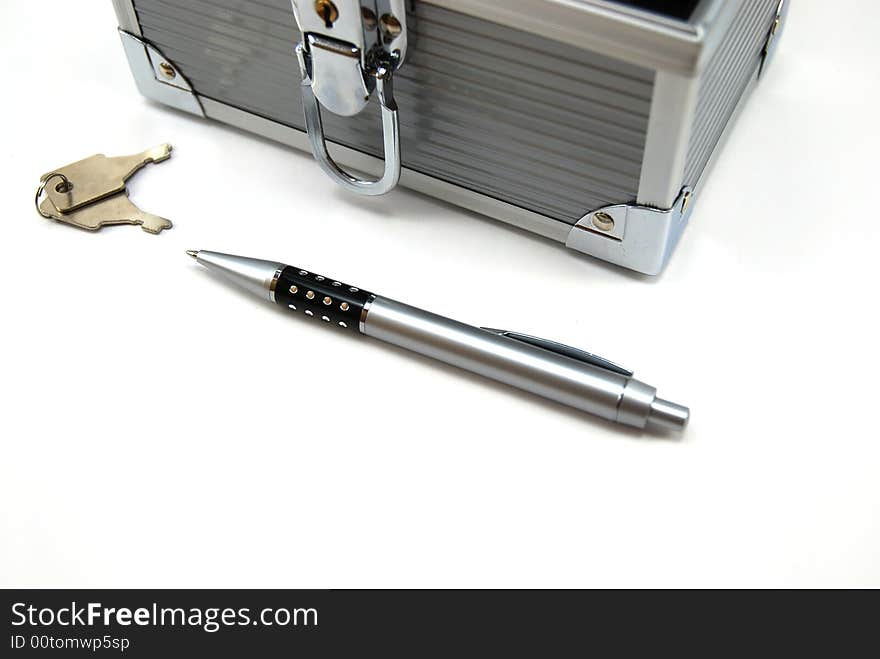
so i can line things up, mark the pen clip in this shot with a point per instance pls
(562, 349)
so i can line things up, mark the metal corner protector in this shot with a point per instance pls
(640, 238)
(157, 78)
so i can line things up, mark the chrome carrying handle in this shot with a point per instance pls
(390, 131)
(349, 49)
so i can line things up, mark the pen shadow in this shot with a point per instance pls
(517, 395)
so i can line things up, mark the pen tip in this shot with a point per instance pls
(193, 253)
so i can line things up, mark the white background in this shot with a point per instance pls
(160, 429)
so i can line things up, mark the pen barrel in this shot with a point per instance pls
(541, 372)
(323, 298)
(544, 368)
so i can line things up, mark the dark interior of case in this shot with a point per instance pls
(680, 9)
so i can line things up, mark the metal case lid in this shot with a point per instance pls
(659, 39)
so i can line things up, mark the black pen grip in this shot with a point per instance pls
(321, 298)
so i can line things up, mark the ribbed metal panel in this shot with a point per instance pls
(549, 127)
(725, 79)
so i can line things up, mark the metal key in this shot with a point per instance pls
(91, 193)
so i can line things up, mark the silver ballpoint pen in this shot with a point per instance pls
(545, 368)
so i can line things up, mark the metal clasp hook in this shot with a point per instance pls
(349, 50)
(390, 131)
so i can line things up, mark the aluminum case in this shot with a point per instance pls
(588, 122)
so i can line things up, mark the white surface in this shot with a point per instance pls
(160, 430)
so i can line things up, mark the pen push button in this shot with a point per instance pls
(329, 300)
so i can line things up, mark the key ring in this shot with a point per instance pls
(65, 182)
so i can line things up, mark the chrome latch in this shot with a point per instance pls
(350, 49)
